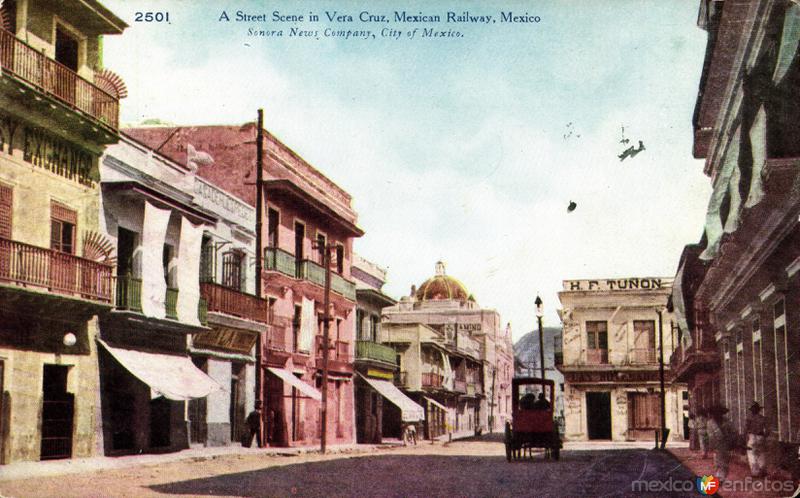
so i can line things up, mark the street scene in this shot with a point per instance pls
(371, 249)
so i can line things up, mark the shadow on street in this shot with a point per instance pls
(578, 473)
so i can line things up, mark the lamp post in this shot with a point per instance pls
(539, 315)
(664, 430)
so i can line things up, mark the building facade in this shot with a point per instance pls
(376, 396)
(303, 214)
(738, 304)
(237, 318)
(455, 358)
(57, 112)
(146, 375)
(612, 333)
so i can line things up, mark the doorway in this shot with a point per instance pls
(58, 408)
(160, 422)
(66, 49)
(598, 415)
(237, 408)
(198, 409)
(299, 236)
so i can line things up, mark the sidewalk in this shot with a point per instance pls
(29, 470)
(738, 473)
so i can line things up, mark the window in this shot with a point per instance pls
(207, 265)
(6, 205)
(273, 220)
(597, 335)
(166, 258)
(758, 364)
(339, 259)
(63, 222)
(8, 13)
(360, 325)
(781, 370)
(232, 269)
(271, 309)
(296, 328)
(321, 248)
(126, 244)
(66, 49)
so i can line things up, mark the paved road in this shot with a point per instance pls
(471, 468)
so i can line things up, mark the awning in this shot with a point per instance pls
(170, 376)
(410, 411)
(298, 384)
(436, 403)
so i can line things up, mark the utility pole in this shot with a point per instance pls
(326, 326)
(664, 431)
(259, 262)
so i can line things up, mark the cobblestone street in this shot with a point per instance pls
(463, 468)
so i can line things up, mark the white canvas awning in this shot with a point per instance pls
(436, 403)
(170, 376)
(298, 384)
(410, 411)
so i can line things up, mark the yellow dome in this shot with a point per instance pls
(442, 286)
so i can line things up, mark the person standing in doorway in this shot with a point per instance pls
(756, 427)
(253, 427)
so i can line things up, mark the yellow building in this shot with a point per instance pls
(611, 353)
(58, 110)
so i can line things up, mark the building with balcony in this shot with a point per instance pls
(304, 212)
(737, 306)
(381, 407)
(57, 112)
(150, 218)
(611, 350)
(236, 316)
(461, 353)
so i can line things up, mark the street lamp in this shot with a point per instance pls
(539, 315)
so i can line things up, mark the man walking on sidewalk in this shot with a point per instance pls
(756, 427)
(253, 427)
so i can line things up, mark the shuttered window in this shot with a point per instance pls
(63, 221)
(6, 206)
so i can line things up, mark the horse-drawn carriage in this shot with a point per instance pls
(532, 424)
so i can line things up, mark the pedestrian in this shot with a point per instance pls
(694, 445)
(412, 433)
(701, 425)
(756, 427)
(253, 427)
(720, 439)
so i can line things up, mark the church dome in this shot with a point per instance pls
(442, 286)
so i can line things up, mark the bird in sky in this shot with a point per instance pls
(572, 206)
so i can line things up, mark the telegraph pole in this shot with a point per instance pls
(259, 262)
(664, 430)
(325, 341)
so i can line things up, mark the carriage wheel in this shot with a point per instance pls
(556, 453)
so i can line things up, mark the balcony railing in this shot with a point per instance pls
(24, 264)
(129, 294)
(343, 287)
(401, 378)
(432, 379)
(369, 350)
(460, 385)
(596, 356)
(337, 350)
(276, 340)
(171, 303)
(223, 299)
(312, 272)
(55, 79)
(642, 355)
(279, 260)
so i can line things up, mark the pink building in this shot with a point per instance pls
(303, 210)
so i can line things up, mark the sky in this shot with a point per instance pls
(466, 150)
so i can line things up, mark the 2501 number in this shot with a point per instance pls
(151, 17)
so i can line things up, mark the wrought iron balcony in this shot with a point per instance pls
(56, 80)
(30, 266)
(171, 303)
(129, 294)
(342, 286)
(279, 260)
(369, 350)
(432, 379)
(223, 299)
(596, 356)
(641, 356)
(312, 272)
